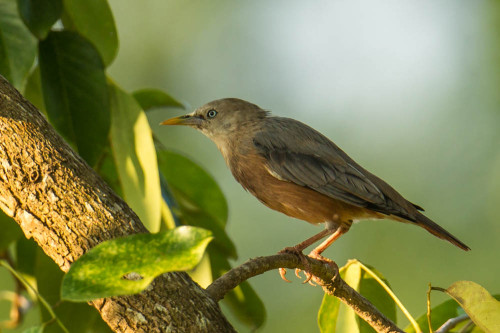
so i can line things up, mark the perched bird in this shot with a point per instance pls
(294, 169)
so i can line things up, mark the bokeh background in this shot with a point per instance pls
(409, 89)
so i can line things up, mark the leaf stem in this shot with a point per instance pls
(429, 307)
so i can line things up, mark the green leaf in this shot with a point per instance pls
(482, 308)
(439, 315)
(26, 257)
(334, 316)
(243, 301)
(190, 214)
(135, 158)
(17, 45)
(101, 271)
(40, 15)
(75, 91)
(328, 314)
(94, 20)
(195, 183)
(10, 231)
(106, 167)
(29, 287)
(33, 90)
(35, 329)
(372, 290)
(49, 277)
(155, 98)
(199, 198)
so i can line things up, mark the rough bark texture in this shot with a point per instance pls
(60, 202)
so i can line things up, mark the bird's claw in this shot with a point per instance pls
(308, 276)
(297, 252)
(282, 274)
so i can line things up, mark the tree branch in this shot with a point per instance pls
(63, 204)
(324, 275)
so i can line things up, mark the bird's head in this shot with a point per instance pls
(222, 119)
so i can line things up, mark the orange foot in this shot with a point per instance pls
(297, 252)
(317, 256)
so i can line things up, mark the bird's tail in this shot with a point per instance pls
(438, 231)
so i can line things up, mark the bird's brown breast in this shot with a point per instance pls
(289, 198)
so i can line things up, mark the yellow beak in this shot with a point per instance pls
(187, 120)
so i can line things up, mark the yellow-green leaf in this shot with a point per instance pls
(335, 316)
(135, 157)
(482, 308)
(106, 270)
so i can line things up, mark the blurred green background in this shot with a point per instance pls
(410, 90)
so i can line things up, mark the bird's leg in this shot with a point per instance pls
(342, 229)
(316, 253)
(297, 250)
(311, 240)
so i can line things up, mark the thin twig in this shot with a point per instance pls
(325, 275)
(451, 323)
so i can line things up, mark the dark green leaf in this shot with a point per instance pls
(75, 91)
(155, 98)
(101, 271)
(40, 15)
(195, 183)
(190, 214)
(17, 45)
(135, 158)
(87, 320)
(243, 301)
(26, 256)
(49, 277)
(198, 197)
(33, 90)
(106, 167)
(10, 231)
(482, 308)
(94, 20)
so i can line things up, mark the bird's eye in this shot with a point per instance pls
(211, 113)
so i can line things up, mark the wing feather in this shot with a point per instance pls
(314, 162)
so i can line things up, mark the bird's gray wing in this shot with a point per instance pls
(297, 153)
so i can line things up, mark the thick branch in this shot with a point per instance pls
(325, 275)
(61, 203)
